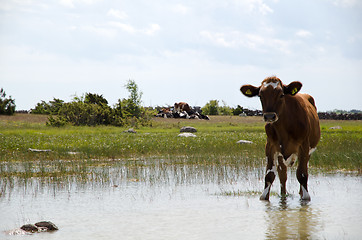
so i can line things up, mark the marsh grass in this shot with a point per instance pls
(87, 157)
(77, 150)
(339, 149)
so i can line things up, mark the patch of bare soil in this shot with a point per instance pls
(24, 117)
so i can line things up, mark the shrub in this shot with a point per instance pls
(95, 99)
(52, 107)
(81, 113)
(92, 109)
(238, 110)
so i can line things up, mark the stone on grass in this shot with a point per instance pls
(187, 134)
(131, 130)
(336, 127)
(39, 150)
(244, 142)
(188, 129)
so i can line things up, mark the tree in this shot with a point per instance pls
(211, 108)
(7, 105)
(225, 110)
(135, 95)
(52, 107)
(132, 105)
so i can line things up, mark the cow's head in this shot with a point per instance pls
(272, 94)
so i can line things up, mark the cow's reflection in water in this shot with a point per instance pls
(288, 221)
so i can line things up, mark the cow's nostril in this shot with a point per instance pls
(270, 117)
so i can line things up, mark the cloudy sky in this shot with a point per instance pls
(192, 51)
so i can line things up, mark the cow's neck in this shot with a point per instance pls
(283, 134)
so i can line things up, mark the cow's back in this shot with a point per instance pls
(309, 109)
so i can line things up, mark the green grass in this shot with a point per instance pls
(339, 149)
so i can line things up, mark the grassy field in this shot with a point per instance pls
(339, 149)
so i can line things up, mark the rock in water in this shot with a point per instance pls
(46, 224)
(188, 129)
(29, 228)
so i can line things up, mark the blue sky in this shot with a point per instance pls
(192, 51)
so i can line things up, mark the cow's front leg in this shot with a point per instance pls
(269, 178)
(282, 173)
(302, 173)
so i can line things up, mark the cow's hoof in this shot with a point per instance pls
(264, 198)
(265, 194)
(305, 195)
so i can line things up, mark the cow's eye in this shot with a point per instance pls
(281, 96)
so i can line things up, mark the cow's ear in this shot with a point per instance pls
(249, 90)
(293, 88)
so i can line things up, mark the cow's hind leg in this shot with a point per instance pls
(302, 174)
(269, 179)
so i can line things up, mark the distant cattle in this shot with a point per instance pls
(182, 107)
(165, 113)
(292, 129)
(181, 110)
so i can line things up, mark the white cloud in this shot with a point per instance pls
(303, 33)
(256, 42)
(347, 3)
(151, 30)
(254, 6)
(263, 8)
(123, 26)
(101, 31)
(67, 3)
(71, 3)
(218, 39)
(355, 39)
(117, 14)
(182, 9)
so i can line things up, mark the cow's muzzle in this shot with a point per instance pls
(270, 117)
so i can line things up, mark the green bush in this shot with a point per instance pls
(92, 109)
(238, 110)
(7, 105)
(81, 113)
(213, 108)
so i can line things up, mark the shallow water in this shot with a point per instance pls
(162, 200)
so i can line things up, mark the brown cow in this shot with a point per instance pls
(292, 129)
(182, 106)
